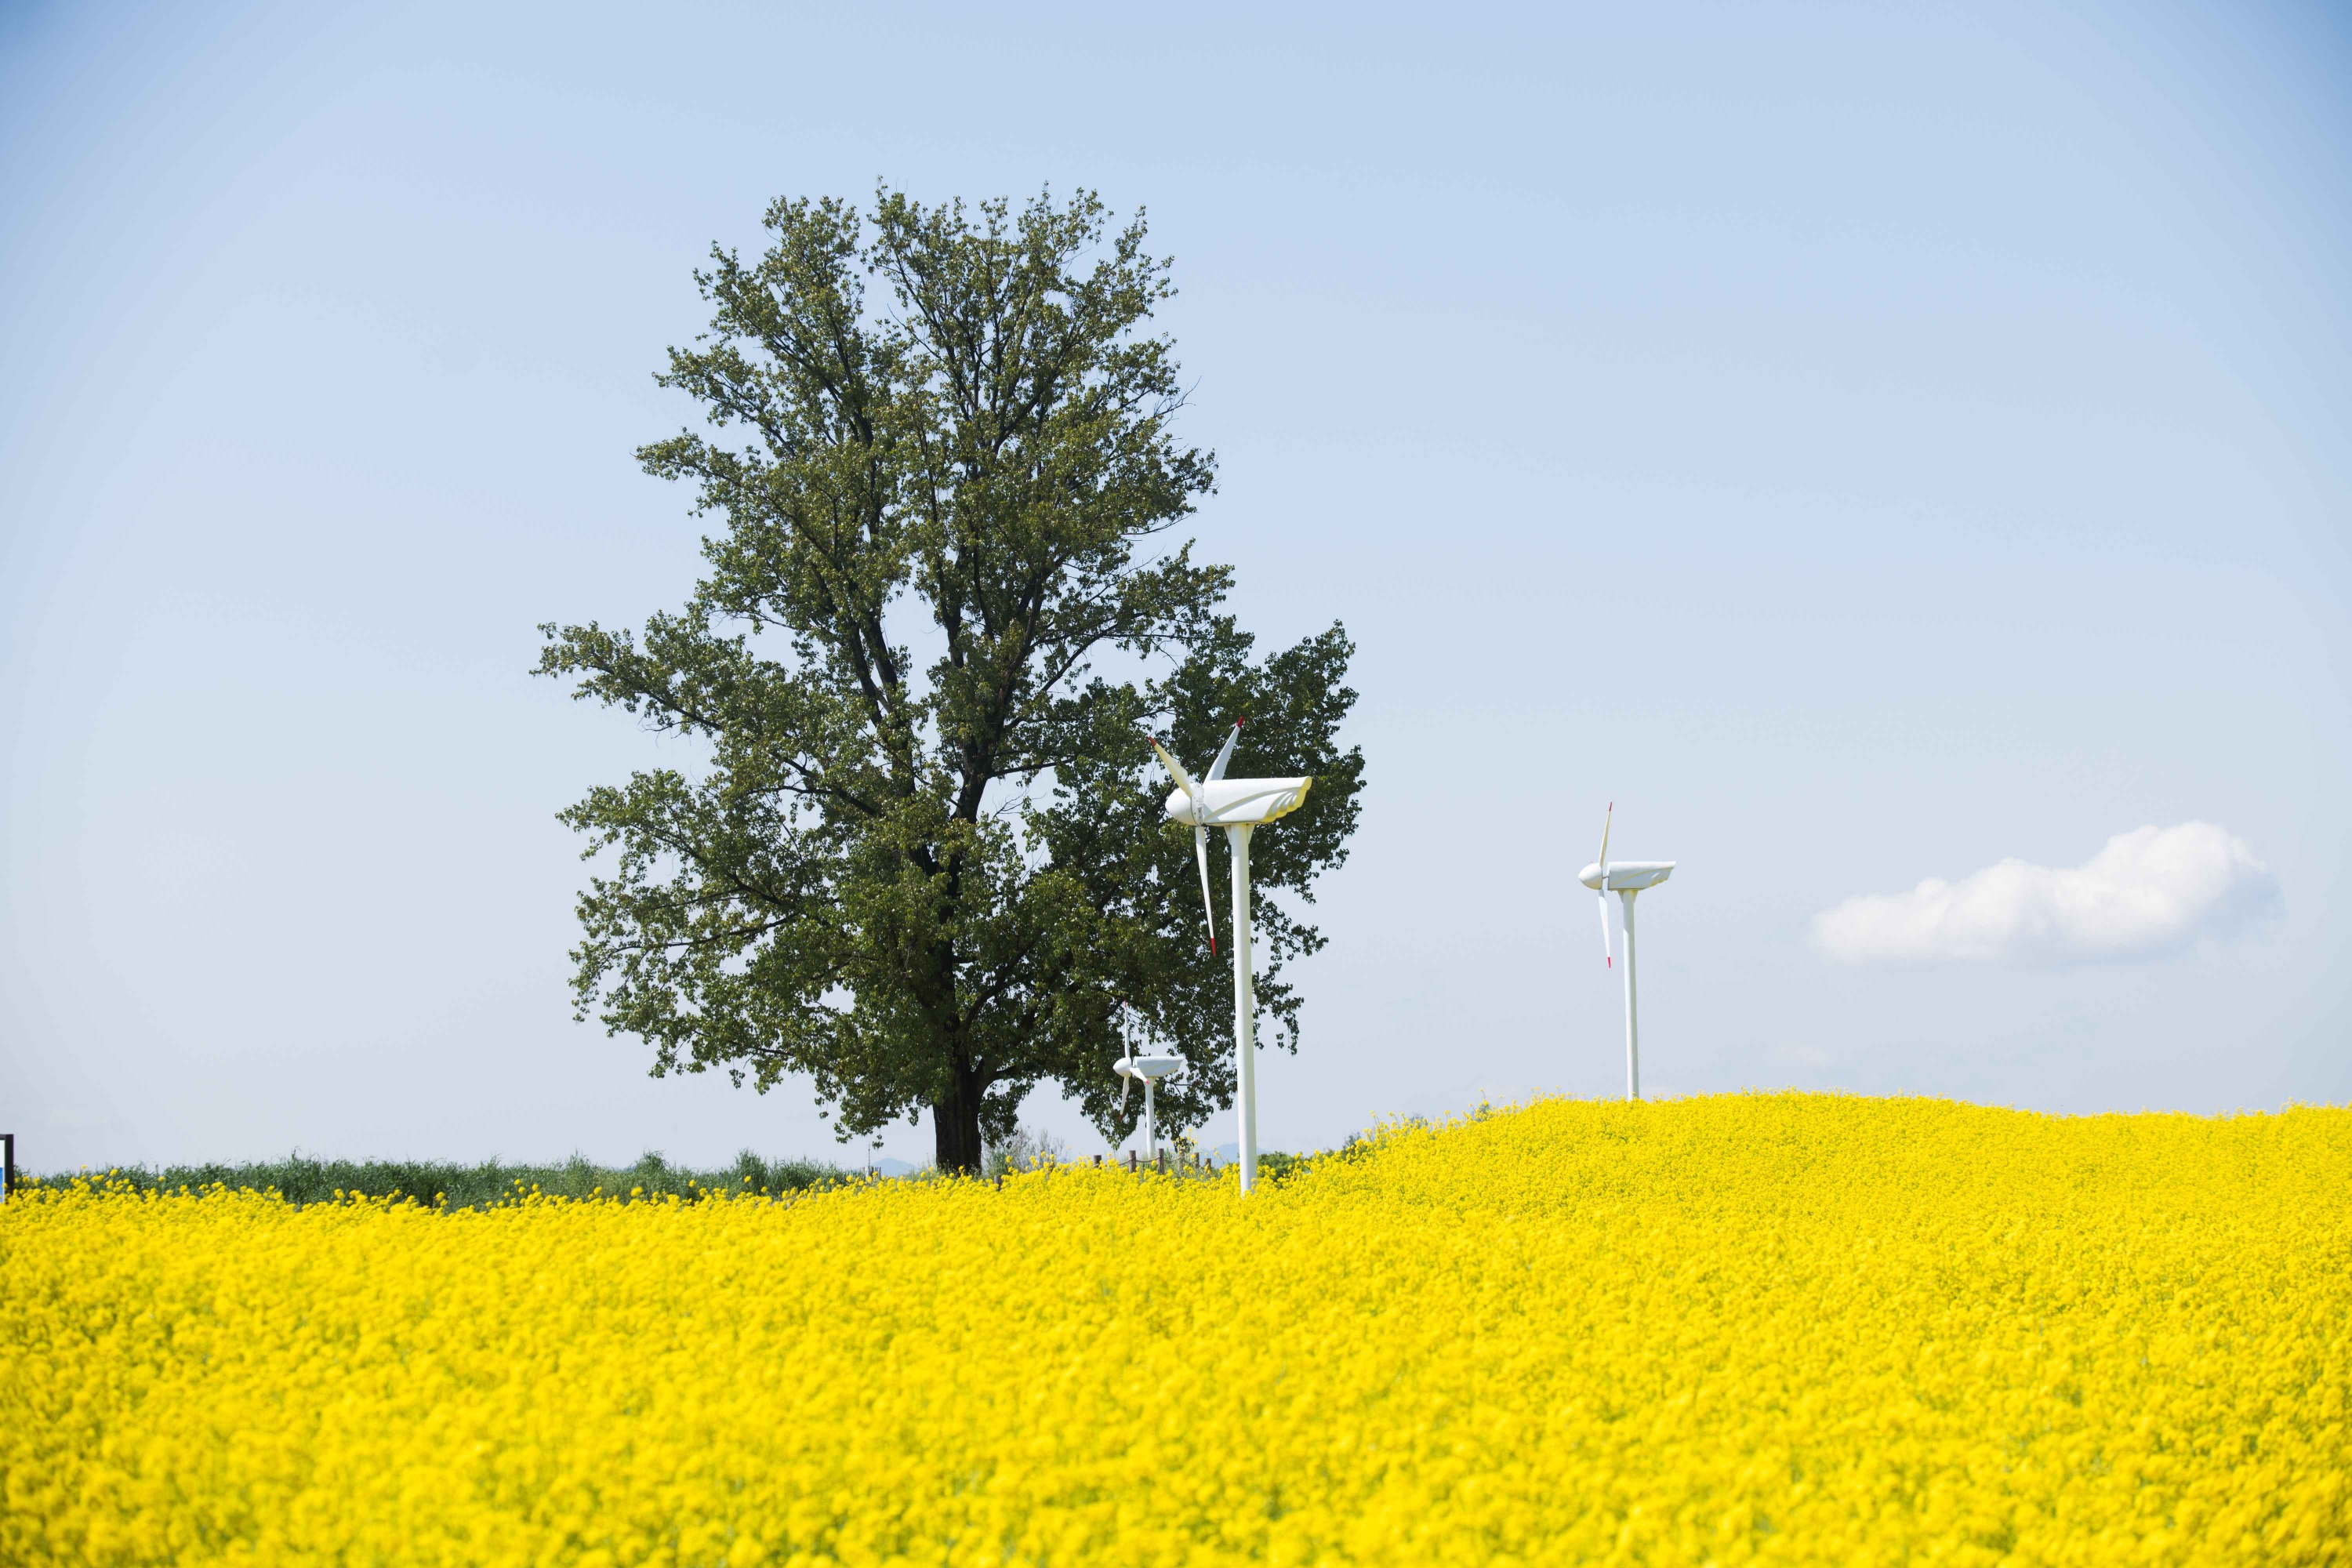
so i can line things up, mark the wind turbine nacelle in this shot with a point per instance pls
(1146, 1067)
(1235, 803)
(1627, 876)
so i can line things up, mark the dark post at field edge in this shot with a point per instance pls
(7, 1166)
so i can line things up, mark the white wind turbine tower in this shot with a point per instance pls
(1236, 805)
(1625, 879)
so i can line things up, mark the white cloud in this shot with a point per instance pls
(2148, 891)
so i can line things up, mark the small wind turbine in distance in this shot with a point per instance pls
(1625, 879)
(1147, 1070)
(1236, 805)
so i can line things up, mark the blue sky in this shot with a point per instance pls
(1869, 445)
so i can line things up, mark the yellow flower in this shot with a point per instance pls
(1748, 1329)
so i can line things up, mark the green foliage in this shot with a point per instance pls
(304, 1180)
(924, 860)
(1274, 1165)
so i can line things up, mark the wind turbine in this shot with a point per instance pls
(1147, 1070)
(1625, 879)
(1236, 805)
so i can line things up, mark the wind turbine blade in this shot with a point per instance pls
(1217, 768)
(1608, 959)
(1208, 904)
(1176, 770)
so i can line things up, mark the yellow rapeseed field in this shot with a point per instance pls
(1783, 1328)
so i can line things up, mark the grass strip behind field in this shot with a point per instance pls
(302, 1179)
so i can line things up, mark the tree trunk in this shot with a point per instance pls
(955, 1123)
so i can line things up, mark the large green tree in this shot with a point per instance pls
(920, 855)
